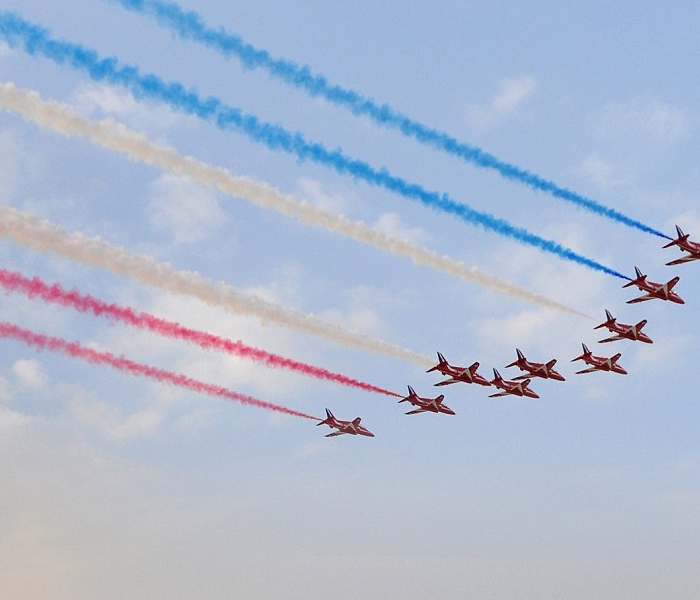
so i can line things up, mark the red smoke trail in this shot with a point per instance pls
(36, 287)
(45, 342)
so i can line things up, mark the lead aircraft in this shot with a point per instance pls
(457, 374)
(662, 291)
(426, 404)
(352, 427)
(685, 245)
(629, 332)
(544, 370)
(512, 387)
(599, 363)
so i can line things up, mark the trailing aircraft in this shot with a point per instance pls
(515, 388)
(534, 369)
(426, 404)
(599, 363)
(685, 245)
(662, 291)
(457, 374)
(629, 332)
(352, 427)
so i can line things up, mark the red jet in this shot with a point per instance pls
(515, 388)
(628, 332)
(457, 374)
(426, 404)
(352, 427)
(682, 241)
(599, 363)
(544, 370)
(662, 291)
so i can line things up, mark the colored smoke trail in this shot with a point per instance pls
(191, 25)
(54, 293)
(116, 136)
(54, 344)
(37, 42)
(46, 237)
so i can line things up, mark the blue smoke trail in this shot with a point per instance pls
(36, 41)
(190, 25)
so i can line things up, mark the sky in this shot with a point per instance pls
(119, 486)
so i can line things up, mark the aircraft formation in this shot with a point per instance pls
(520, 384)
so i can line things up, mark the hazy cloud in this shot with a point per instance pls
(312, 190)
(513, 91)
(94, 98)
(662, 122)
(188, 210)
(600, 172)
(29, 373)
(392, 225)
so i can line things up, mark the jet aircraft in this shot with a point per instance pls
(629, 332)
(544, 370)
(599, 363)
(457, 374)
(662, 291)
(352, 427)
(426, 404)
(515, 388)
(685, 245)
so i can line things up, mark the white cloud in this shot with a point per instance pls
(5, 50)
(94, 98)
(600, 172)
(688, 221)
(312, 191)
(29, 373)
(391, 225)
(111, 423)
(512, 93)
(361, 314)
(187, 209)
(10, 419)
(662, 122)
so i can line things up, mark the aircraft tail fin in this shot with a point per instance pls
(609, 319)
(441, 361)
(640, 277)
(521, 356)
(329, 417)
(411, 392)
(586, 352)
(681, 237)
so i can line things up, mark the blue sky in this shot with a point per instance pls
(117, 486)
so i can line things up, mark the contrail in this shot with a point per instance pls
(109, 134)
(46, 237)
(54, 344)
(37, 42)
(35, 287)
(191, 25)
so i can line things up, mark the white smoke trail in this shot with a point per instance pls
(44, 236)
(110, 134)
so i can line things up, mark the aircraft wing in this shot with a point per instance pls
(416, 411)
(334, 433)
(683, 259)
(499, 394)
(641, 299)
(612, 339)
(589, 370)
(447, 382)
